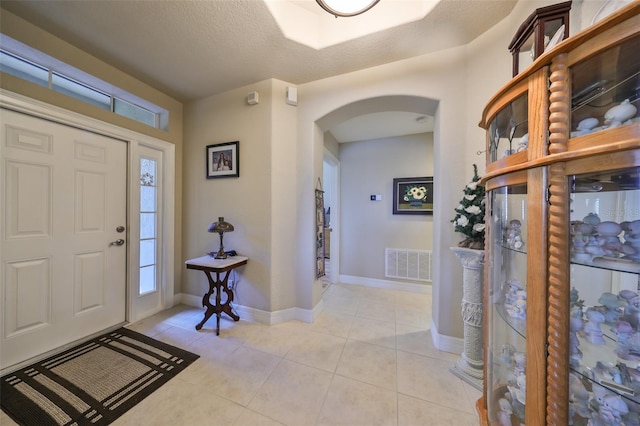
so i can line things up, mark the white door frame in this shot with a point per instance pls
(46, 111)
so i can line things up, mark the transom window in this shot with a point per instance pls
(21, 67)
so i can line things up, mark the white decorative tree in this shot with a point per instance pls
(469, 218)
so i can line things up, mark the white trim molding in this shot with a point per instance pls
(455, 345)
(257, 315)
(386, 284)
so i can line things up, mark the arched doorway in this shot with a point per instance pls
(410, 106)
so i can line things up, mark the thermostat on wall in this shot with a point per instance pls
(376, 197)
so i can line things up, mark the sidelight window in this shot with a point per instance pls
(148, 225)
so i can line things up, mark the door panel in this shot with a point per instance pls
(28, 287)
(63, 196)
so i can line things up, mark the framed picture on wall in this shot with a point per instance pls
(319, 233)
(223, 160)
(413, 195)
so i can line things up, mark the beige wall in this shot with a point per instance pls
(368, 227)
(26, 33)
(440, 77)
(261, 203)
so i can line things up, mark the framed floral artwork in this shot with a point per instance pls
(223, 160)
(413, 195)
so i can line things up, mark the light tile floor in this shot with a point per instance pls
(368, 359)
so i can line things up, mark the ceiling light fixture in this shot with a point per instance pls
(346, 8)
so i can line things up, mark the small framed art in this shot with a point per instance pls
(223, 160)
(413, 195)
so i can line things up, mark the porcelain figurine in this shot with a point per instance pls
(617, 115)
(506, 355)
(512, 287)
(632, 312)
(623, 331)
(633, 306)
(601, 372)
(592, 330)
(582, 228)
(517, 395)
(504, 416)
(578, 399)
(634, 347)
(519, 309)
(520, 362)
(608, 238)
(508, 152)
(631, 419)
(613, 305)
(517, 407)
(575, 302)
(586, 126)
(634, 374)
(595, 246)
(631, 238)
(513, 235)
(612, 409)
(579, 244)
(575, 326)
(588, 123)
(524, 143)
(627, 294)
(592, 219)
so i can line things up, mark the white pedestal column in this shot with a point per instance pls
(469, 367)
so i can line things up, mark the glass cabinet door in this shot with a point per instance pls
(604, 335)
(606, 89)
(509, 131)
(507, 310)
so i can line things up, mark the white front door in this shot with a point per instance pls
(64, 238)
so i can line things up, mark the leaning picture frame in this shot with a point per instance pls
(413, 195)
(223, 160)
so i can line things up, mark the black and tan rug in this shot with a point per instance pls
(93, 383)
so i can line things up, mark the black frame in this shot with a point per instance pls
(227, 149)
(402, 206)
(320, 250)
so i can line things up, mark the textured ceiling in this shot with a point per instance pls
(193, 49)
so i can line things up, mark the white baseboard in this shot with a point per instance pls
(177, 299)
(258, 315)
(386, 284)
(455, 345)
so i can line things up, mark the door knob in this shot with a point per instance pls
(117, 242)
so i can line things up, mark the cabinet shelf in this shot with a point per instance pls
(601, 365)
(514, 250)
(612, 264)
(516, 324)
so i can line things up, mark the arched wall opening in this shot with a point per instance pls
(367, 227)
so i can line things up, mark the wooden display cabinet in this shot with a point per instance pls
(549, 24)
(562, 286)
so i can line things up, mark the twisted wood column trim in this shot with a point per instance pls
(558, 291)
(559, 120)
